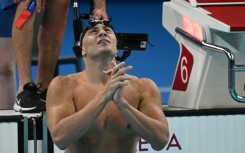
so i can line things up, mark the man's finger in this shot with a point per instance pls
(123, 78)
(108, 72)
(122, 71)
(117, 67)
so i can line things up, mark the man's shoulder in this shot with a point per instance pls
(143, 83)
(65, 81)
(145, 86)
(61, 79)
(142, 80)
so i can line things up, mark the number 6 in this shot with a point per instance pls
(184, 70)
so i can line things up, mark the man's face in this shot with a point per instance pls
(99, 39)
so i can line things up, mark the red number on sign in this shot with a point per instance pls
(183, 73)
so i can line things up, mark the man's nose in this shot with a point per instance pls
(102, 33)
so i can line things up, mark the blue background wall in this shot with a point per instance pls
(136, 16)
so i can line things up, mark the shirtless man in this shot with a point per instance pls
(103, 109)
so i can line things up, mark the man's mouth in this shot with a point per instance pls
(103, 41)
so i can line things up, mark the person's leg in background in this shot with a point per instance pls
(23, 41)
(27, 99)
(7, 61)
(51, 36)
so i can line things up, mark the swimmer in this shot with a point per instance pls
(103, 109)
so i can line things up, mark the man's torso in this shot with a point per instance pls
(111, 132)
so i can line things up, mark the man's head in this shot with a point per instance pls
(98, 36)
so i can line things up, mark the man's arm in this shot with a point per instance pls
(65, 123)
(149, 122)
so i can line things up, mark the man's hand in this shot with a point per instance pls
(100, 14)
(118, 96)
(118, 79)
(99, 11)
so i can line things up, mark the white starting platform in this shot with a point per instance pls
(23, 132)
(211, 34)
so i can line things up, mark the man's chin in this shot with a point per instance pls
(108, 51)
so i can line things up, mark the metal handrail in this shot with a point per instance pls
(232, 68)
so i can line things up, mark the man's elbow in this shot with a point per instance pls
(59, 143)
(162, 142)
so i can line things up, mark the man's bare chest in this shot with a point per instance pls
(111, 120)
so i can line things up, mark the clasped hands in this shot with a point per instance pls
(118, 80)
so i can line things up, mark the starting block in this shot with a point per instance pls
(24, 132)
(211, 34)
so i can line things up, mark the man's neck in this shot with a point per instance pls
(95, 70)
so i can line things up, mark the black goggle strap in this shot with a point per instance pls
(93, 23)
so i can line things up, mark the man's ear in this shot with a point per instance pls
(83, 52)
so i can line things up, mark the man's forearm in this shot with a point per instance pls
(73, 127)
(151, 130)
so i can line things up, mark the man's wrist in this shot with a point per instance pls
(122, 103)
(104, 98)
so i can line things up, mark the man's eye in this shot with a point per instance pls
(108, 30)
(93, 31)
